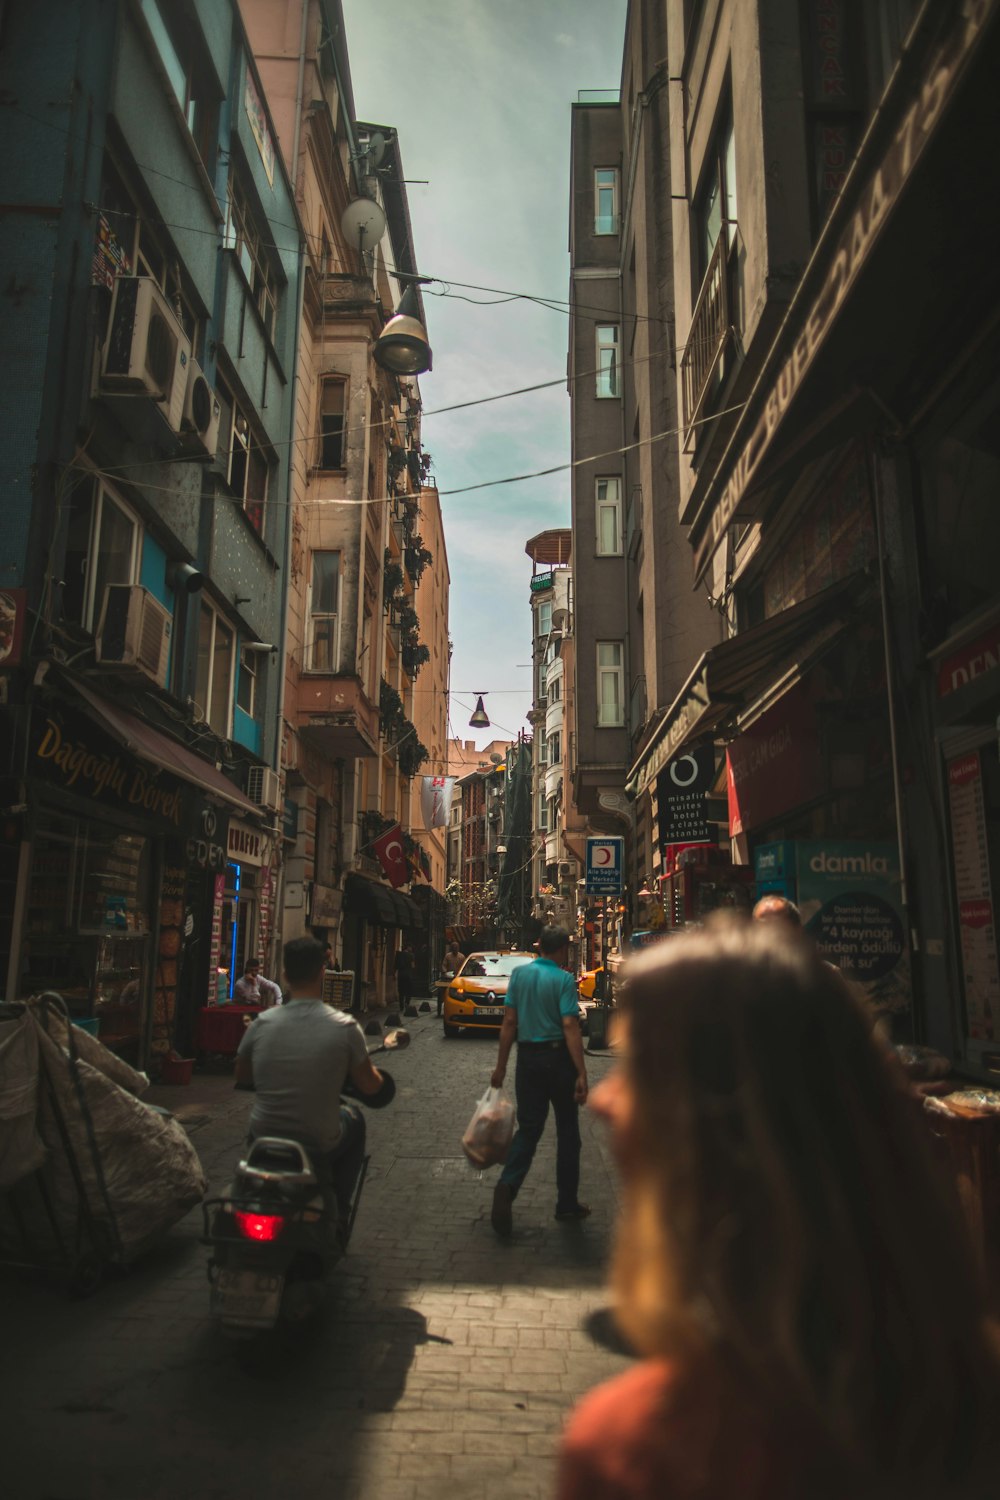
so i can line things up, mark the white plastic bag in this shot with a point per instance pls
(490, 1131)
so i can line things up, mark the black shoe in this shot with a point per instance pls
(501, 1217)
(580, 1211)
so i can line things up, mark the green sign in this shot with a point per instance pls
(541, 581)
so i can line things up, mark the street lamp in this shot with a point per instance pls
(402, 347)
(480, 718)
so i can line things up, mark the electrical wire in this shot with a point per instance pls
(468, 488)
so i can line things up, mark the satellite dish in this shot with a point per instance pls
(363, 223)
(495, 758)
(376, 149)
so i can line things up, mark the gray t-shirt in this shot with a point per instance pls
(301, 1054)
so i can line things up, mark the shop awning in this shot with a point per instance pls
(160, 750)
(752, 669)
(885, 263)
(408, 913)
(370, 900)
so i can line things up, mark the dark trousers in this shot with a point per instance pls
(344, 1161)
(545, 1075)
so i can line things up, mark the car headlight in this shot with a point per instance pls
(454, 993)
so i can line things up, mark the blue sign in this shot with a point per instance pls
(605, 866)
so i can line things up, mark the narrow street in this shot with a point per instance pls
(447, 1362)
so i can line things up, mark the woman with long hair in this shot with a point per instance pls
(789, 1262)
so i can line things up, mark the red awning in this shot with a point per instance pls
(160, 750)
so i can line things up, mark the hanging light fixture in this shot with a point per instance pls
(480, 718)
(402, 347)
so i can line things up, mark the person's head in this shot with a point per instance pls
(553, 942)
(779, 909)
(781, 1209)
(252, 968)
(303, 961)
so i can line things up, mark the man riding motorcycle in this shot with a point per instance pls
(299, 1058)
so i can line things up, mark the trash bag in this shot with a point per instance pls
(490, 1131)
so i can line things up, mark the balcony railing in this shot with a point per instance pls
(707, 338)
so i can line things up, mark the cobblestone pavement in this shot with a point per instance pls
(447, 1361)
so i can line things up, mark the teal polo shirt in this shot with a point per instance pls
(541, 993)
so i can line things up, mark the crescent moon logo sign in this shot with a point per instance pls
(684, 771)
(603, 854)
(395, 845)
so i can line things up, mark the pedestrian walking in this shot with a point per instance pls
(404, 975)
(450, 965)
(541, 1013)
(790, 1263)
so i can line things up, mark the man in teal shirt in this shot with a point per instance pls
(541, 1014)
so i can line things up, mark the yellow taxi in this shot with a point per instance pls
(587, 983)
(475, 997)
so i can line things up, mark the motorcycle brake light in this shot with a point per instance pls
(259, 1226)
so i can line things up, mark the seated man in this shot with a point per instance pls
(253, 988)
(298, 1057)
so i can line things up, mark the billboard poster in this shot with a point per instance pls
(849, 896)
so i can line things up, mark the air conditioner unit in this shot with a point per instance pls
(202, 411)
(147, 351)
(134, 631)
(565, 869)
(264, 788)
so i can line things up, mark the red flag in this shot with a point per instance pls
(389, 851)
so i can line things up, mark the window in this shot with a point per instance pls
(332, 404)
(606, 200)
(188, 77)
(609, 517)
(543, 670)
(247, 465)
(555, 748)
(716, 201)
(246, 235)
(555, 690)
(103, 546)
(214, 674)
(246, 682)
(324, 597)
(608, 377)
(543, 750)
(610, 683)
(543, 813)
(553, 814)
(545, 617)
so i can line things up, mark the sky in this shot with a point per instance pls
(480, 93)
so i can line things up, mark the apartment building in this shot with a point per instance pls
(156, 255)
(838, 405)
(360, 559)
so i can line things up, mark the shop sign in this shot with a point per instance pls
(206, 849)
(974, 660)
(259, 127)
(875, 203)
(246, 845)
(974, 894)
(849, 897)
(290, 820)
(774, 869)
(326, 905)
(775, 764)
(681, 794)
(541, 581)
(69, 754)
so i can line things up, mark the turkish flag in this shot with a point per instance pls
(389, 850)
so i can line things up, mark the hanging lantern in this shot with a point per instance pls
(480, 718)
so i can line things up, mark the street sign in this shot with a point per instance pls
(605, 866)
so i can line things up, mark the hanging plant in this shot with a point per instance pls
(392, 584)
(412, 755)
(392, 720)
(415, 656)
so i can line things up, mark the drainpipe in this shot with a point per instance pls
(299, 91)
(875, 484)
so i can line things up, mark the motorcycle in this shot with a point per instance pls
(276, 1233)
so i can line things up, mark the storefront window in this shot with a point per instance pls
(87, 924)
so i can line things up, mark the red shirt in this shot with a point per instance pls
(659, 1433)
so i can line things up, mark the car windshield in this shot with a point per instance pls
(493, 965)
